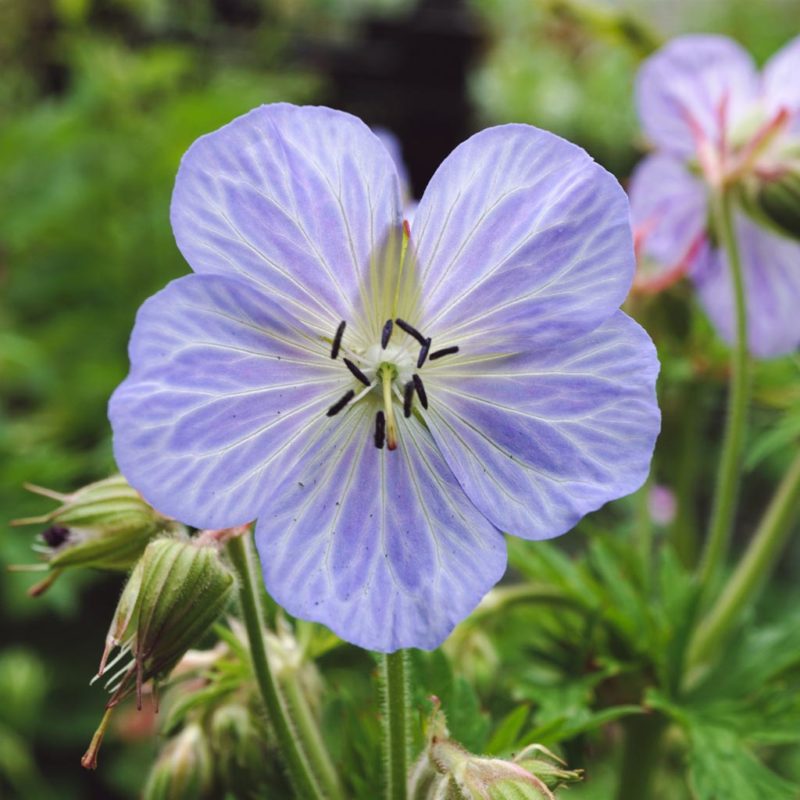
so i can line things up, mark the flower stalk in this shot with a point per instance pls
(310, 738)
(396, 734)
(298, 768)
(724, 505)
(641, 756)
(758, 560)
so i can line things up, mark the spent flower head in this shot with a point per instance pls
(387, 400)
(718, 125)
(172, 597)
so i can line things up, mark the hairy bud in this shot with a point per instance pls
(183, 771)
(446, 771)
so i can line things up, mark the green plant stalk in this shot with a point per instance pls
(643, 535)
(756, 564)
(641, 755)
(683, 532)
(396, 717)
(298, 769)
(310, 738)
(716, 547)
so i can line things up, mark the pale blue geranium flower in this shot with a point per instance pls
(715, 121)
(386, 406)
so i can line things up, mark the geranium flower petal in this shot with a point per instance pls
(781, 84)
(669, 214)
(772, 288)
(695, 84)
(224, 385)
(297, 199)
(382, 547)
(521, 239)
(539, 439)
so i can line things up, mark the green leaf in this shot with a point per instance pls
(505, 737)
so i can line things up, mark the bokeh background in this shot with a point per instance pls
(98, 100)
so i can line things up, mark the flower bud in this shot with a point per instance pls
(183, 771)
(239, 745)
(174, 594)
(530, 776)
(105, 525)
(778, 200)
(543, 763)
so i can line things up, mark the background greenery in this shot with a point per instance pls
(98, 100)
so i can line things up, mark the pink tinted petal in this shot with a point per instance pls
(781, 82)
(382, 547)
(771, 267)
(296, 199)
(694, 81)
(522, 240)
(669, 214)
(223, 387)
(540, 439)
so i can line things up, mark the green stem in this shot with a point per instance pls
(641, 756)
(643, 533)
(396, 717)
(756, 564)
(684, 533)
(730, 461)
(311, 738)
(303, 782)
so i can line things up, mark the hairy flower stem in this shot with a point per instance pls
(311, 738)
(643, 735)
(395, 716)
(716, 546)
(758, 560)
(298, 769)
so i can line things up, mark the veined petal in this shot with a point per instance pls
(695, 84)
(522, 240)
(539, 439)
(382, 547)
(780, 81)
(297, 199)
(669, 214)
(224, 386)
(771, 273)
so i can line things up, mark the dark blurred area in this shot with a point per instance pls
(98, 100)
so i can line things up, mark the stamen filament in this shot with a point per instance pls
(423, 353)
(337, 340)
(341, 403)
(445, 351)
(420, 388)
(391, 427)
(387, 333)
(410, 330)
(357, 373)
